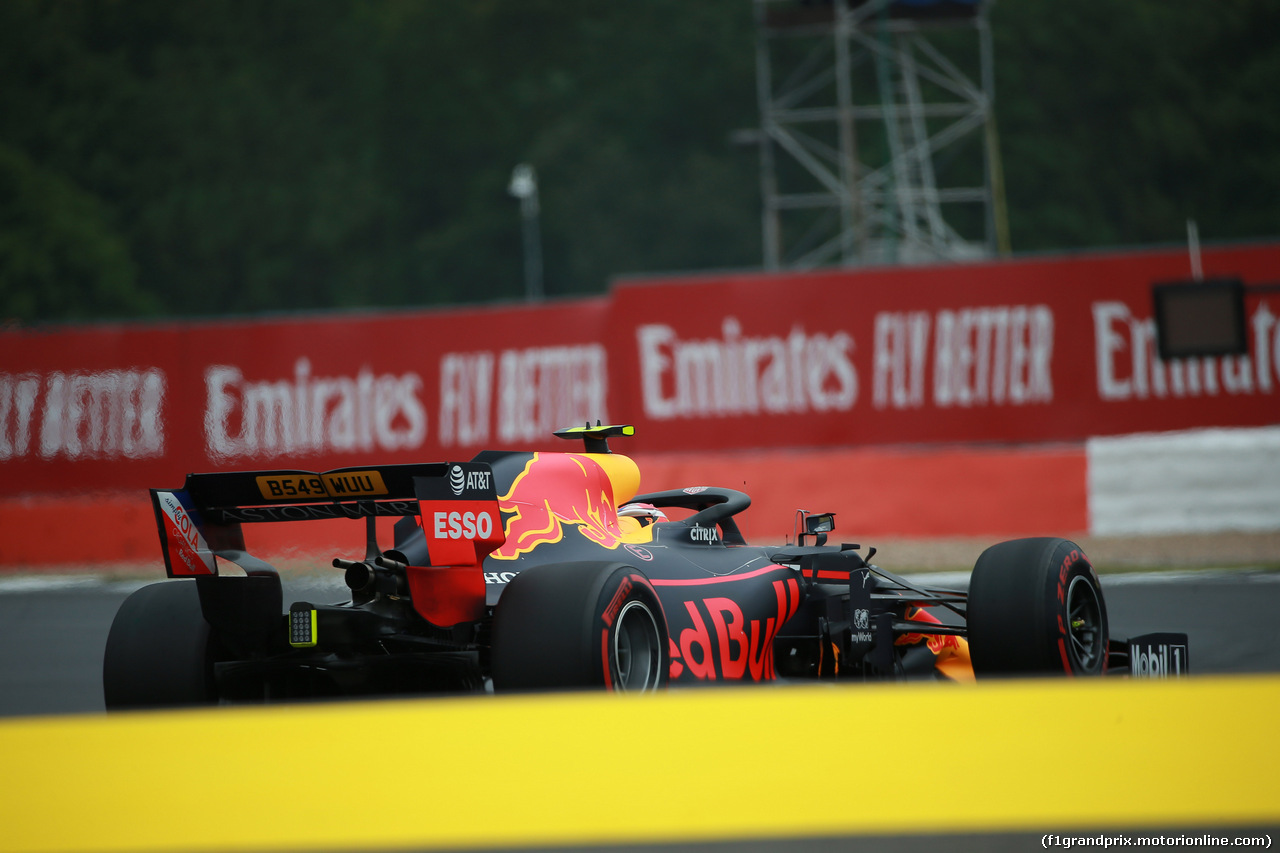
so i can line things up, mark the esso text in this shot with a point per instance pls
(463, 525)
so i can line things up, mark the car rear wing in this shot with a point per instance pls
(456, 502)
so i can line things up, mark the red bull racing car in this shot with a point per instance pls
(538, 570)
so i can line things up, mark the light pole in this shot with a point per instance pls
(524, 186)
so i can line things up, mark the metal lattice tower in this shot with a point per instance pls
(877, 138)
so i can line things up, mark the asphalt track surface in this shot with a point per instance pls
(53, 630)
(52, 633)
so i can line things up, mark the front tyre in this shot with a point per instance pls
(580, 625)
(159, 651)
(1036, 608)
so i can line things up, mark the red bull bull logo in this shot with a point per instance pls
(952, 652)
(555, 491)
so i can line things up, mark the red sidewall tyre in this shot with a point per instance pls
(1036, 608)
(580, 625)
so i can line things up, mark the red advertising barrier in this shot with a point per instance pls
(137, 406)
(1053, 350)
(1021, 351)
(901, 491)
(876, 493)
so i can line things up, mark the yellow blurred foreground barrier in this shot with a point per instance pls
(1043, 756)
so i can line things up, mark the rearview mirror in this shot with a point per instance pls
(818, 525)
(824, 523)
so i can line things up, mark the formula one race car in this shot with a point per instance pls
(536, 570)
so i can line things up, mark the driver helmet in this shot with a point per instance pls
(646, 514)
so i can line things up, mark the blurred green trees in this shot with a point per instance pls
(1119, 121)
(230, 156)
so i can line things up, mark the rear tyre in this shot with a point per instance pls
(1035, 608)
(580, 625)
(160, 650)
